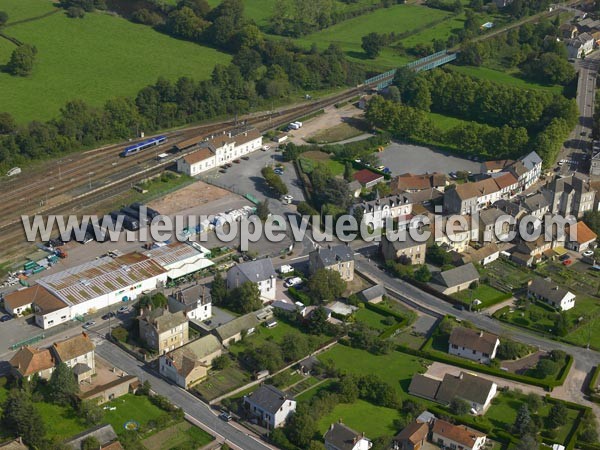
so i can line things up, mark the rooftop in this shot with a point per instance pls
(268, 398)
(458, 275)
(545, 288)
(198, 155)
(332, 255)
(100, 277)
(73, 347)
(104, 433)
(457, 433)
(255, 271)
(469, 387)
(162, 319)
(237, 325)
(342, 437)
(473, 339)
(28, 360)
(366, 176)
(414, 432)
(187, 357)
(26, 296)
(176, 252)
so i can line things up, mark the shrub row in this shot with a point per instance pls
(591, 387)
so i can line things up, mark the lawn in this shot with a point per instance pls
(131, 407)
(487, 295)
(371, 318)
(395, 368)
(361, 416)
(503, 77)
(93, 59)
(398, 18)
(445, 123)
(181, 435)
(309, 159)
(62, 422)
(24, 9)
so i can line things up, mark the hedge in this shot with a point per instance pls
(591, 387)
(466, 364)
(299, 296)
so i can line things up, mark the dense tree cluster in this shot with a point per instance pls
(326, 285)
(274, 180)
(242, 299)
(22, 60)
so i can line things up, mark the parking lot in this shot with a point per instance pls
(402, 158)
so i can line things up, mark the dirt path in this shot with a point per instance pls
(195, 194)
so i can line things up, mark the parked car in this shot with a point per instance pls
(237, 161)
(5, 318)
(564, 257)
(567, 262)
(588, 253)
(294, 281)
(225, 416)
(287, 198)
(228, 165)
(108, 315)
(278, 171)
(245, 158)
(123, 309)
(89, 324)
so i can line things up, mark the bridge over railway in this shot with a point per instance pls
(383, 80)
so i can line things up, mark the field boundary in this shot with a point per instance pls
(32, 19)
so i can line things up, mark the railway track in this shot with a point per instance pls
(113, 175)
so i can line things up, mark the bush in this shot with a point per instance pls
(120, 334)
(75, 12)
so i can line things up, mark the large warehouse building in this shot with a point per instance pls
(106, 281)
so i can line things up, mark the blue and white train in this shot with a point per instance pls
(143, 145)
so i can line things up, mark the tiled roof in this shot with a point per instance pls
(255, 271)
(545, 288)
(584, 233)
(341, 436)
(457, 433)
(476, 189)
(25, 296)
(198, 156)
(506, 180)
(424, 386)
(237, 325)
(480, 341)
(497, 164)
(162, 319)
(73, 347)
(458, 275)
(469, 387)
(28, 360)
(365, 176)
(409, 181)
(331, 256)
(186, 358)
(414, 432)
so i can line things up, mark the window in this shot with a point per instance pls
(455, 347)
(474, 351)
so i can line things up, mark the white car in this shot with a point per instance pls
(266, 147)
(588, 253)
(286, 268)
(295, 281)
(13, 171)
(287, 198)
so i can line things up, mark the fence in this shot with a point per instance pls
(29, 341)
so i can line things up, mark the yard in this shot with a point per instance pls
(395, 368)
(106, 57)
(445, 123)
(487, 295)
(309, 159)
(371, 318)
(222, 382)
(131, 407)
(181, 435)
(362, 416)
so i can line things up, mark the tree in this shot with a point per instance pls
(348, 171)
(527, 442)
(422, 274)
(218, 289)
(372, 44)
(522, 425)
(90, 443)
(545, 367)
(534, 402)
(21, 417)
(347, 389)
(558, 415)
(244, 298)
(75, 12)
(221, 362)
(91, 412)
(318, 321)
(301, 426)
(459, 406)
(262, 210)
(3, 18)
(22, 60)
(63, 385)
(294, 346)
(326, 285)
(7, 123)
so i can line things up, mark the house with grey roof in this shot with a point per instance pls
(393, 209)
(492, 226)
(475, 390)
(455, 280)
(374, 294)
(162, 330)
(571, 195)
(195, 301)
(233, 330)
(549, 292)
(339, 258)
(341, 437)
(260, 272)
(537, 204)
(270, 406)
(405, 249)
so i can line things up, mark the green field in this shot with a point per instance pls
(361, 416)
(445, 123)
(503, 78)
(131, 407)
(94, 59)
(488, 296)
(24, 9)
(398, 18)
(371, 318)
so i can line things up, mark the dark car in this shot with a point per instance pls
(459, 307)
(225, 416)
(108, 315)
(5, 318)
(564, 257)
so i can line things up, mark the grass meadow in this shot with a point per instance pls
(95, 58)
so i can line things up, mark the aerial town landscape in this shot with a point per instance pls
(299, 224)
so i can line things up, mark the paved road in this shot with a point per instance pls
(192, 406)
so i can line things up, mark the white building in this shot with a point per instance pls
(447, 435)
(473, 344)
(94, 285)
(341, 437)
(195, 301)
(580, 45)
(270, 406)
(260, 272)
(181, 258)
(218, 150)
(78, 353)
(377, 212)
(551, 293)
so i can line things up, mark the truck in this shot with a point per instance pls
(134, 214)
(129, 223)
(151, 213)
